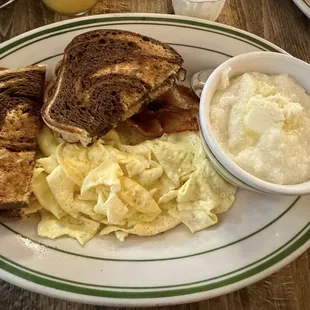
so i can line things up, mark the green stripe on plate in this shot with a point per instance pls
(172, 44)
(158, 259)
(273, 258)
(207, 27)
(45, 59)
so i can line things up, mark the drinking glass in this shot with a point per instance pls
(70, 7)
(206, 9)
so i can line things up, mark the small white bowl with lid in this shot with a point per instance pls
(263, 62)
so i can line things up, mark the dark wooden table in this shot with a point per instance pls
(278, 21)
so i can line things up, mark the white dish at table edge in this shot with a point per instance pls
(281, 225)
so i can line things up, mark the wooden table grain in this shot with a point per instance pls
(278, 21)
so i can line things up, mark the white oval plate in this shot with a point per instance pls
(304, 6)
(259, 235)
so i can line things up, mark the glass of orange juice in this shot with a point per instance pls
(70, 7)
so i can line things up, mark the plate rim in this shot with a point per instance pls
(281, 215)
(143, 17)
(303, 6)
(175, 299)
(160, 301)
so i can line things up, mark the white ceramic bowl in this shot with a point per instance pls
(264, 62)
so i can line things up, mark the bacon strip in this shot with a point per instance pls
(170, 113)
(178, 96)
(146, 124)
(177, 121)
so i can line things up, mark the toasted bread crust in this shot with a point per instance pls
(12, 214)
(104, 78)
(15, 178)
(21, 98)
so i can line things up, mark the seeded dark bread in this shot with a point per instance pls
(21, 99)
(105, 77)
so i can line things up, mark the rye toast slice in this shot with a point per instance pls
(21, 95)
(15, 178)
(21, 98)
(105, 77)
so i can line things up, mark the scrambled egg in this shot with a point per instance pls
(111, 187)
